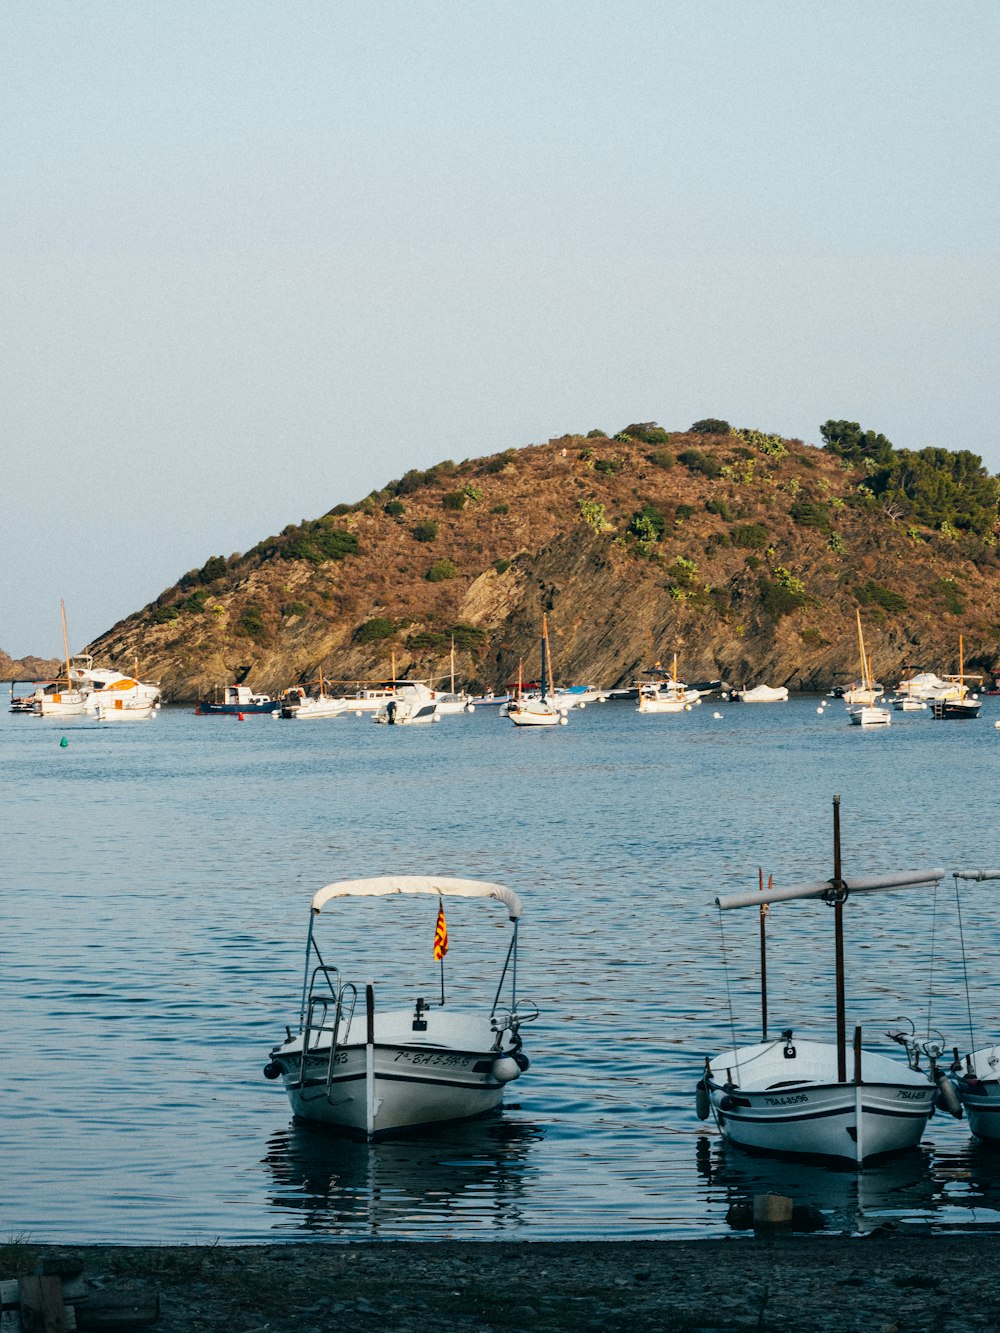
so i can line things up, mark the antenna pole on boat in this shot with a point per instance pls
(838, 887)
(763, 961)
(545, 657)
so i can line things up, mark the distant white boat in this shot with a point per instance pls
(666, 694)
(59, 698)
(298, 704)
(866, 711)
(412, 702)
(110, 691)
(763, 694)
(125, 710)
(541, 710)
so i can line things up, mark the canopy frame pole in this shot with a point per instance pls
(305, 974)
(763, 961)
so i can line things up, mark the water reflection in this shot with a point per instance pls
(921, 1187)
(467, 1178)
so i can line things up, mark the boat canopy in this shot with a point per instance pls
(904, 879)
(437, 885)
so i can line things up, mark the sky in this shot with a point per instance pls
(258, 259)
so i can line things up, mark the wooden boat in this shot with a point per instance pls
(59, 698)
(862, 708)
(964, 704)
(540, 711)
(668, 695)
(796, 1097)
(375, 1072)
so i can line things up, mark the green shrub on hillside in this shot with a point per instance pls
(809, 514)
(752, 536)
(161, 614)
(660, 458)
(441, 570)
(718, 506)
(251, 623)
(647, 432)
(374, 630)
(697, 461)
(874, 594)
(454, 499)
(426, 532)
(847, 440)
(647, 524)
(395, 509)
(710, 426)
(778, 599)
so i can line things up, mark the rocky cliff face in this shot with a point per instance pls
(745, 555)
(29, 668)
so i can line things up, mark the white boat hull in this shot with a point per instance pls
(534, 714)
(316, 708)
(442, 1075)
(767, 1101)
(67, 704)
(869, 715)
(121, 711)
(980, 1096)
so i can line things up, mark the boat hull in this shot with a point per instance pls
(434, 1069)
(793, 1105)
(205, 709)
(869, 715)
(980, 1097)
(412, 1087)
(953, 709)
(121, 711)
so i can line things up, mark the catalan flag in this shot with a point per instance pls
(440, 934)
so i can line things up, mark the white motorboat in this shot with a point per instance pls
(297, 703)
(863, 692)
(376, 1072)
(908, 703)
(927, 686)
(112, 691)
(794, 1097)
(539, 710)
(763, 694)
(411, 702)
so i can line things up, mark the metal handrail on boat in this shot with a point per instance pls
(343, 998)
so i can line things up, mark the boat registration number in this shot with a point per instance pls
(435, 1058)
(791, 1100)
(903, 1095)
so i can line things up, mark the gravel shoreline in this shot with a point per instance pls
(885, 1282)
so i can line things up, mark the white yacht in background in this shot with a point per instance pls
(105, 691)
(412, 702)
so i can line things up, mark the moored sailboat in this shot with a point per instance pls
(540, 711)
(806, 1098)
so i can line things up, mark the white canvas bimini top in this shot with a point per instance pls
(439, 886)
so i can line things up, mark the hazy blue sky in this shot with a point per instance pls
(259, 259)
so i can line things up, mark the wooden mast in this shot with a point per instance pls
(62, 612)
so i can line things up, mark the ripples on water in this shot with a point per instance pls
(153, 921)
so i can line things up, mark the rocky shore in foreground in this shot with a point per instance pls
(885, 1282)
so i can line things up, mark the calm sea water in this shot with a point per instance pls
(153, 915)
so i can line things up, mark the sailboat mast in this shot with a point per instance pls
(838, 888)
(545, 657)
(62, 612)
(453, 664)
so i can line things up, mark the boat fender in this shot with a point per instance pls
(702, 1101)
(272, 1069)
(505, 1069)
(521, 1060)
(947, 1097)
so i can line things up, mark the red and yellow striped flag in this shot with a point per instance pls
(440, 934)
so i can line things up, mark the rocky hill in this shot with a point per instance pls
(745, 554)
(28, 668)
